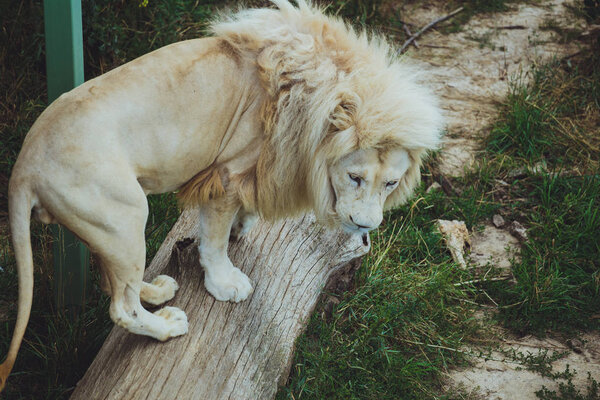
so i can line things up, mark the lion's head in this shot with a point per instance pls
(361, 182)
(346, 122)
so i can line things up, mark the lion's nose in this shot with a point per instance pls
(360, 225)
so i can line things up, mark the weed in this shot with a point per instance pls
(568, 391)
(540, 362)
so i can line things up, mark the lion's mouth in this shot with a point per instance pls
(365, 239)
(333, 196)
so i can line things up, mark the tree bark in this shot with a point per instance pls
(232, 351)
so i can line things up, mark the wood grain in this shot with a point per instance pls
(232, 351)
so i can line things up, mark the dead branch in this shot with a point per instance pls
(434, 46)
(428, 26)
(409, 33)
(511, 27)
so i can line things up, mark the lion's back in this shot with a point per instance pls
(162, 113)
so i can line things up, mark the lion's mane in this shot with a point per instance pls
(330, 90)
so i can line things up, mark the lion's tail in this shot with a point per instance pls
(19, 211)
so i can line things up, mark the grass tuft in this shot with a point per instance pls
(554, 118)
(558, 279)
(553, 123)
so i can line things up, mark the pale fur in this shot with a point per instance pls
(255, 120)
(330, 91)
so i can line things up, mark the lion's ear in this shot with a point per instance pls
(407, 184)
(343, 115)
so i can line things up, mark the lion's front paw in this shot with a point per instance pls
(229, 285)
(176, 321)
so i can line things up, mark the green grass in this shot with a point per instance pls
(554, 118)
(554, 121)
(557, 279)
(394, 335)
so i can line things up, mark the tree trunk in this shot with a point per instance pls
(232, 351)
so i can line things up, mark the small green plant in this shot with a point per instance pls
(568, 391)
(540, 362)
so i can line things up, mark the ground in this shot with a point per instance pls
(473, 69)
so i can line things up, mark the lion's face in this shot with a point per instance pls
(361, 182)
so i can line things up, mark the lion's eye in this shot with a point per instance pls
(355, 178)
(391, 184)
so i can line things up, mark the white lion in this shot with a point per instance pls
(281, 112)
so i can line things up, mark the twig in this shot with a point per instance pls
(500, 278)
(409, 33)
(512, 27)
(428, 26)
(489, 297)
(472, 302)
(433, 46)
(549, 347)
(435, 346)
(572, 55)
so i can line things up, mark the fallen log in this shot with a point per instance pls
(232, 351)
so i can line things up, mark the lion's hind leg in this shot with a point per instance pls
(242, 223)
(123, 255)
(124, 267)
(113, 226)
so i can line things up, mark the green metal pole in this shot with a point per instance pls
(64, 67)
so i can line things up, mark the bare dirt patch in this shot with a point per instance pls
(503, 375)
